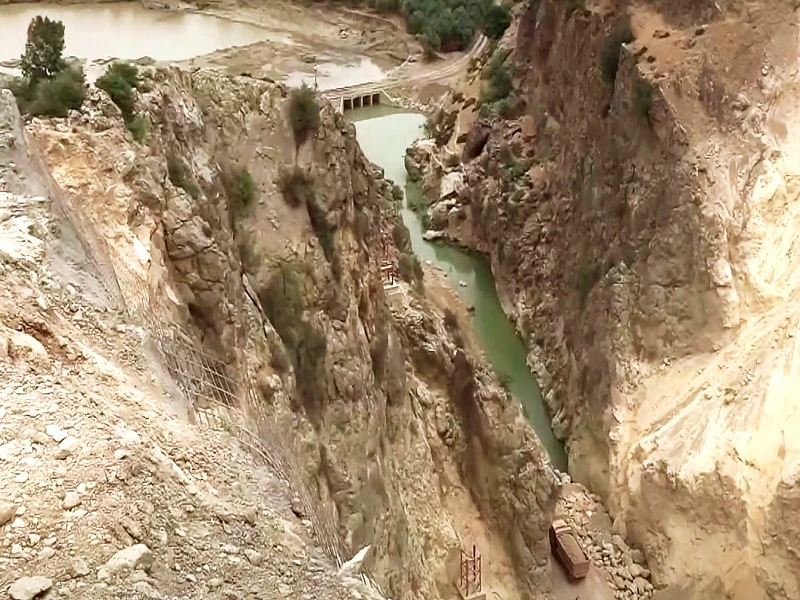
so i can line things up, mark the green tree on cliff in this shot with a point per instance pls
(43, 50)
(48, 86)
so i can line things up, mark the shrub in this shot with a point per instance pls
(119, 90)
(139, 126)
(622, 34)
(498, 79)
(499, 87)
(240, 187)
(55, 97)
(430, 44)
(410, 269)
(405, 266)
(284, 303)
(319, 222)
(643, 98)
(297, 186)
(43, 50)
(397, 197)
(180, 176)
(495, 62)
(304, 113)
(126, 71)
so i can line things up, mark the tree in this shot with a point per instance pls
(430, 44)
(498, 19)
(43, 49)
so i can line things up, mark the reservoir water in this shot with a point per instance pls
(126, 30)
(384, 135)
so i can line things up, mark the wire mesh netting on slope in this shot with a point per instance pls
(218, 399)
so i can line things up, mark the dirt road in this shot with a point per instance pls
(593, 587)
(416, 74)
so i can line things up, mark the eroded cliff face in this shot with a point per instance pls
(641, 229)
(394, 424)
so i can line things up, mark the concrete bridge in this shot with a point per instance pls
(358, 96)
(375, 92)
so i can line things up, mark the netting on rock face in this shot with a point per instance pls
(218, 399)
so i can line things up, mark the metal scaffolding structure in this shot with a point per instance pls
(470, 578)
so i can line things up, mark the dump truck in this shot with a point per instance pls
(565, 547)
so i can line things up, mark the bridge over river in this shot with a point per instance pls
(377, 92)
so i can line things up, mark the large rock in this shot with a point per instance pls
(476, 140)
(28, 588)
(418, 154)
(7, 512)
(137, 556)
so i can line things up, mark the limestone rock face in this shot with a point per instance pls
(370, 400)
(630, 221)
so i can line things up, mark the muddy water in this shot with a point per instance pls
(337, 74)
(127, 30)
(384, 136)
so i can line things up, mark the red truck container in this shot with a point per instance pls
(565, 547)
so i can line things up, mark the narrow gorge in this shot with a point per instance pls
(258, 341)
(639, 221)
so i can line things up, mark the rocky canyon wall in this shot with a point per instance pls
(394, 423)
(639, 215)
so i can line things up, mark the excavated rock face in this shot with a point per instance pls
(633, 224)
(387, 418)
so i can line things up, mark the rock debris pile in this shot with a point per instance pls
(625, 568)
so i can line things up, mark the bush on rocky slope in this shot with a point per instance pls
(297, 186)
(180, 176)
(284, 301)
(497, 84)
(119, 82)
(240, 187)
(303, 113)
(51, 97)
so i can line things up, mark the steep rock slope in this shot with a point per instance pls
(105, 491)
(374, 401)
(640, 222)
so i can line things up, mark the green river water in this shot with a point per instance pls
(384, 134)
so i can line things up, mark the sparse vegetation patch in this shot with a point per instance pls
(119, 82)
(284, 301)
(240, 187)
(297, 186)
(303, 113)
(643, 98)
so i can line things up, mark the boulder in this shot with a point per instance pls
(476, 140)
(28, 588)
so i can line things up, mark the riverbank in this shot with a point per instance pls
(470, 277)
